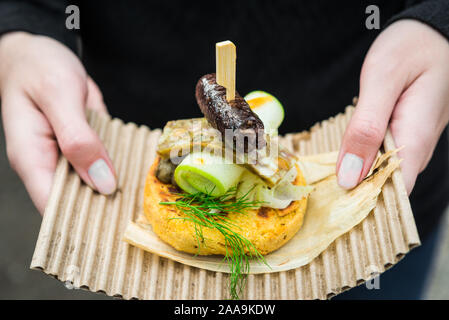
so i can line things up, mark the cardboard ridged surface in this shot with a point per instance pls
(80, 237)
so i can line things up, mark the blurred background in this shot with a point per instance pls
(19, 228)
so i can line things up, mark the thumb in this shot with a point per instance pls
(77, 140)
(367, 127)
(82, 147)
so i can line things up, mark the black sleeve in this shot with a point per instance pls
(44, 17)
(435, 13)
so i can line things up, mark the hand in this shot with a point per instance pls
(44, 90)
(405, 83)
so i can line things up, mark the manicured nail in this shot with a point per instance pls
(102, 177)
(350, 169)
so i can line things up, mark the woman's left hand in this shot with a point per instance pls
(404, 83)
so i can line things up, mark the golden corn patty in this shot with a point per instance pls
(268, 229)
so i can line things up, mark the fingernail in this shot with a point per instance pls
(350, 169)
(102, 177)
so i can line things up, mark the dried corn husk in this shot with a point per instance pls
(332, 211)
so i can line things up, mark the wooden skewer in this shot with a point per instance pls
(225, 64)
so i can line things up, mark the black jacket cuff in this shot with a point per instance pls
(37, 19)
(434, 13)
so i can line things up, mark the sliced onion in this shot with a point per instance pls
(247, 185)
(290, 176)
(266, 195)
(289, 191)
(282, 194)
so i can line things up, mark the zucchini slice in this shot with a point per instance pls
(207, 173)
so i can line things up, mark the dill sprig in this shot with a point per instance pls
(208, 211)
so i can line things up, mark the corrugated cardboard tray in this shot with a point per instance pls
(80, 238)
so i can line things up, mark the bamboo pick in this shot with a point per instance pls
(225, 67)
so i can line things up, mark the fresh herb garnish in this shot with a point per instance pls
(205, 210)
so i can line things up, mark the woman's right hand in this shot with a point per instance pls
(44, 91)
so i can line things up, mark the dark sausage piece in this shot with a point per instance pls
(235, 115)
